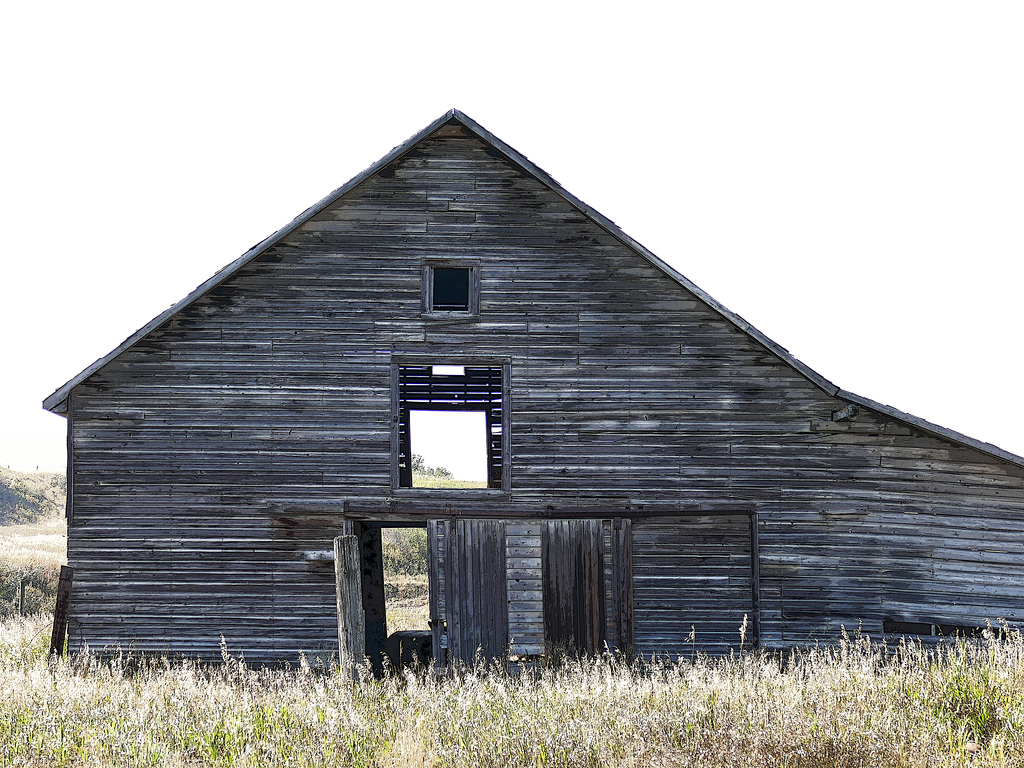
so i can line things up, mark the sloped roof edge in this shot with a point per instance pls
(776, 349)
(57, 402)
(926, 426)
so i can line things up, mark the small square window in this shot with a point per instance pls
(450, 288)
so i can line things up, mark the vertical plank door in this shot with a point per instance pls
(573, 584)
(476, 590)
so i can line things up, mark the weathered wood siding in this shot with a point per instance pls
(525, 587)
(821, 570)
(692, 584)
(476, 585)
(215, 455)
(152, 580)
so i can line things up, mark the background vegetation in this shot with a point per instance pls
(424, 476)
(405, 578)
(405, 551)
(33, 539)
(26, 497)
(31, 553)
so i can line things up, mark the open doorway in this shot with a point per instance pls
(406, 590)
(395, 593)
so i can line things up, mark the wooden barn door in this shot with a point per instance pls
(517, 585)
(618, 581)
(573, 584)
(475, 588)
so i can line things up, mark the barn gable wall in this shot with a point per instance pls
(212, 460)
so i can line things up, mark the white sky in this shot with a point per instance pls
(455, 440)
(847, 177)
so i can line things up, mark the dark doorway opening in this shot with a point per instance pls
(395, 593)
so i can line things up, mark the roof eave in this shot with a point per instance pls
(57, 402)
(934, 429)
(776, 349)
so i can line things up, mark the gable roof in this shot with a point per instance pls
(57, 402)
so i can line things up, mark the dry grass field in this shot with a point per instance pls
(29, 496)
(33, 539)
(31, 553)
(425, 481)
(406, 602)
(854, 705)
(29, 543)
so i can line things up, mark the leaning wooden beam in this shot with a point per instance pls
(351, 625)
(60, 611)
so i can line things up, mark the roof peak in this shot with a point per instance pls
(57, 402)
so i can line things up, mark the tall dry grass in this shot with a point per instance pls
(31, 553)
(857, 704)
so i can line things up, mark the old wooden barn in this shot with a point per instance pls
(654, 465)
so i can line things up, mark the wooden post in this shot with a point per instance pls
(351, 624)
(755, 580)
(435, 530)
(21, 599)
(60, 611)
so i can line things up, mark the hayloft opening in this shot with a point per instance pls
(450, 430)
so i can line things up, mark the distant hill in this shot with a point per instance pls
(29, 496)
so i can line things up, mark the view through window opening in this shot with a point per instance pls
(449, 449)
(450, 410)
(404, 550)
(406, 594)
